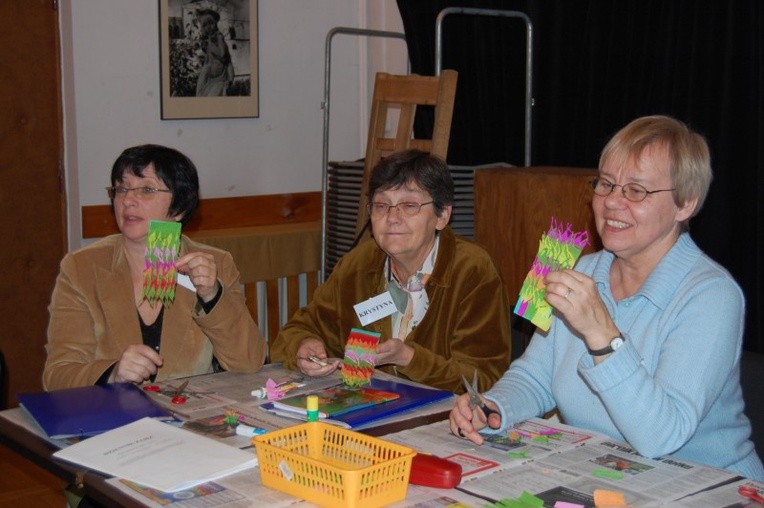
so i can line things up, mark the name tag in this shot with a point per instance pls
(185, 281)
(375, 308)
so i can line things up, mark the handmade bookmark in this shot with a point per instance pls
(360, 357)
(162, 250)
(559, 249)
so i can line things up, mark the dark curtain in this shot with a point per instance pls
(599, 64)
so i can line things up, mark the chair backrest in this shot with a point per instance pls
(279, 299)
(3, 382)
(405, 93)
(751, 370)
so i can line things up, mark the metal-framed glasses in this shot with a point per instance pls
(120, 191)
(407, 208)
(631, 191)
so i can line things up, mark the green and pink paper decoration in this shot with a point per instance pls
(162, 250)
(559, 249)
(360, 357)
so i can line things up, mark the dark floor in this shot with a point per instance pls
(24, 484)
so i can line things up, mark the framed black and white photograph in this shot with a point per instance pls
(208, 58)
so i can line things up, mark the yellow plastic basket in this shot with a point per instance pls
(331, 466)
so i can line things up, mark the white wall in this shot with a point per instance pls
(111, 91)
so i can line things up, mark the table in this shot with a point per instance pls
(25, 438)
(570, 465)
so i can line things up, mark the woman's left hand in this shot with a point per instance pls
(576, 297)
(395, 352)
(202, 270)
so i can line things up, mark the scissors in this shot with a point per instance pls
(475, 400)
(177, 396)
(751, 493)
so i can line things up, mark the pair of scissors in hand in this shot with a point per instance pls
(751, 493)
(475, 400)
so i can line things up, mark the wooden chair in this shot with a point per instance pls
(3, 382)
(405, 93)
(275, 293)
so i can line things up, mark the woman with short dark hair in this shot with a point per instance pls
(103, 330)
(450, 316)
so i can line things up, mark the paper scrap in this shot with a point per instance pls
(608, 498)
(565, 504)
(159, 273)
(608, 473)
(559, 249)
(360, 357)
(526, 500)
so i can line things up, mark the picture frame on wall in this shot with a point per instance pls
(208, 59)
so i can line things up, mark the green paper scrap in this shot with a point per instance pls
(526, 500)
(540, 439)
(517, 455)
(559, 249)
(531, 500)
(607, 473)
(160, 273)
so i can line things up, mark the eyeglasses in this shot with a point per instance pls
(140, 192)
(631, 191)
(407, 208)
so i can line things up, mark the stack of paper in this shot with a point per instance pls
(158, 455)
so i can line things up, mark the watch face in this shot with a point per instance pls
(616, 343)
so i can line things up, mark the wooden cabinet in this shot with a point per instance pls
(514, 205)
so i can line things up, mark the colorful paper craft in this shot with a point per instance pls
(277, 391)
(231, 417)
(360, 357)
(559, 249)
(162, 250)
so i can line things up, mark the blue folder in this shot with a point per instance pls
(411, 397)
(88, 410)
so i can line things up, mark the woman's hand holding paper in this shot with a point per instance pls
(202, 270)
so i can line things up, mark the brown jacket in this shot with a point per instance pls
(93, 318)
(466, 326)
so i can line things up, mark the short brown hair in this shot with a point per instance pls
(688, 154)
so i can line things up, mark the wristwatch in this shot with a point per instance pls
(615, 345)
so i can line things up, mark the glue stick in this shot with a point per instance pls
(312, 408)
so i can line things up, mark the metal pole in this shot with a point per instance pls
(325, 106)
(528, 56)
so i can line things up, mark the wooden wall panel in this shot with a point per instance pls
(514, 205)
(222, 213)
(32, 216)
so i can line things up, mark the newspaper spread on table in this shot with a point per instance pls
(566, 466)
